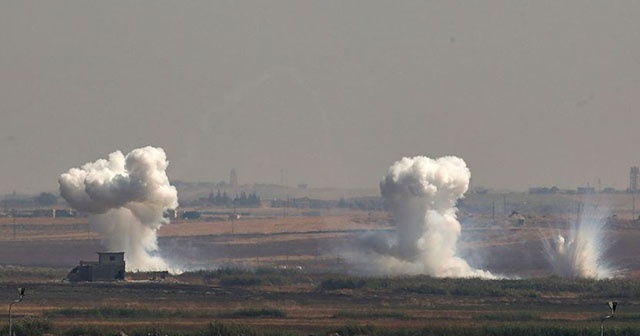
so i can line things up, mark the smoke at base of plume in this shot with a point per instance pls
(580, 253)
(126, 196)
(422, 195)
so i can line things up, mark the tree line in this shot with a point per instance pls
(242, 200)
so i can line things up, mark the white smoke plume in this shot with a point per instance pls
(422, 195)
(126, 196)
(580, 253)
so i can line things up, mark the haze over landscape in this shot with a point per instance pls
(319, 167)
(325, 93)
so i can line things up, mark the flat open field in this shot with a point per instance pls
(299, 280)
(318, 243)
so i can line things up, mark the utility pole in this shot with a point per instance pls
(493, 210)
(233, 217)
(284, 194)
(579, 213)
(633, 207)
(504, 204)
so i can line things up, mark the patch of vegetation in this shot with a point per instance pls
(32, 326)
(29, 326)
(256, 312)
(248, 278)
(222, 329)
(509, 316)
(218, 273)
(352, 330)
(464, 306)
(521, 288)
(422, 284)
(12, 274)
(371, 315)
(86, 331)
(475, 287)
(341, 283)
(229, 329)
(497, 330)
(119, 312)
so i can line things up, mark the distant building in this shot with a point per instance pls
(633, 179)
(544, 190)
(517, 218)
(64, 213)
(191, 215)
(109, 267)
(170, 214)
(586, 190)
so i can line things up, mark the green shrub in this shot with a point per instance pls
(509, 316)
(9, 274)
(118, 312)
(226, 329)
(333, 284)
(370, 315)
(219, 273)
(29, 326)
(256, 312)
(101, 312)
(219, 329)
(85, 331)
(352, 330)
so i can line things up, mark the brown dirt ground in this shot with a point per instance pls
(313, 242)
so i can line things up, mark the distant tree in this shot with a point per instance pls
(226, 200)
(46, 199)
(254, 200)
(244, 200)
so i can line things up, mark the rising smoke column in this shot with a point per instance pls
(126, 196)
(580, 253)
(422, 194)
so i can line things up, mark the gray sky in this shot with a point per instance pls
(528, 93)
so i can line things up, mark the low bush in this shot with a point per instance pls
(371, 315)
(11, 274)
(29, 326)
(86, 331)
(341, 283)
(118, 312)
(228, 329)
(509, 316)
(256, 312)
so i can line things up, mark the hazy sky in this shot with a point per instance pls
(528, 93)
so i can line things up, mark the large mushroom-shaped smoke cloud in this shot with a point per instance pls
(422, 195)
(126, 196)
